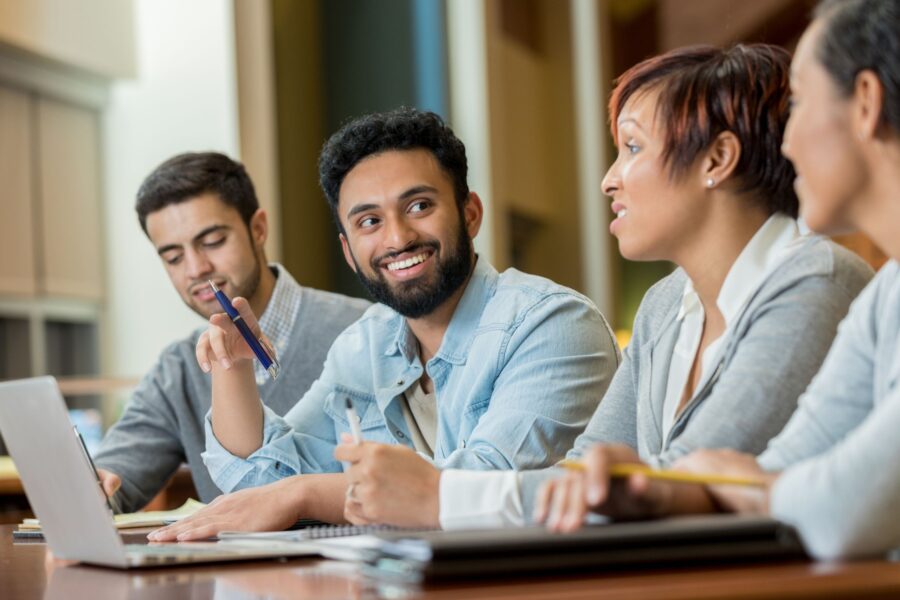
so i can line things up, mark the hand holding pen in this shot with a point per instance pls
(110, 497)
(234, 336)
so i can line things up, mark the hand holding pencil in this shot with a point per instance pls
(611, 480)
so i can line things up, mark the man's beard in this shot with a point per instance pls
(417, 298)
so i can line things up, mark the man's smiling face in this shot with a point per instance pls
(405, 234)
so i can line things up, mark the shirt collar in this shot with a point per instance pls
(777, 237)
(465, 320)
(277, 320)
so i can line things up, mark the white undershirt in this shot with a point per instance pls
(473, 499)
(420, 413)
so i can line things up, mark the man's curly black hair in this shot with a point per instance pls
(400, 129)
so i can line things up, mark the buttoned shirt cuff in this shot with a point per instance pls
(480, 499)
(268, 464)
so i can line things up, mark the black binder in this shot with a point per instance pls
(697, 539)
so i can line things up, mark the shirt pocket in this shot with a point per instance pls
(461, 427)
(370, 417)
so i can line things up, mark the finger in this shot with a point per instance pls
(109, 481)
(351, 453)
(576, 507)
(558, 503)
(218, 346)
(638, 484)
(355, 512)
(201, 532)
(542, 503)
(243, 308)
(170, 532)
(597, 464)
(163, 534)
(201, 351)
(649, 498)
(111, 484)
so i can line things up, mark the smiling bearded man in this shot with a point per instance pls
(460, 366)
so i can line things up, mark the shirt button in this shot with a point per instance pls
(400, 382)
(400, 435)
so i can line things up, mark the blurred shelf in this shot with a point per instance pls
(87, 386)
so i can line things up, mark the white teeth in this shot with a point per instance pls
(405, 264)
(622, 213)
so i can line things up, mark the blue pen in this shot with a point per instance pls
(268, 362)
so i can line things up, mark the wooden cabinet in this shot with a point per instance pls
(17, 228)
(68, 169)
(51, 236)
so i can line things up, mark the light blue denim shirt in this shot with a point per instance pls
(521, 369)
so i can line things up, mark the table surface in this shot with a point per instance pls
(26, 573)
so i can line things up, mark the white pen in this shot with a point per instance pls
(353, 418)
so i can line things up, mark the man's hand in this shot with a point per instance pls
(270, 507)
(731, 498)
(389, 485)
(563, 503)
(222, 342)
(110, 482)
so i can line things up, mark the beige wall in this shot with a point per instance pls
(91, 35)
(184, 99)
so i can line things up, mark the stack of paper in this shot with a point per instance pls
(155, 518)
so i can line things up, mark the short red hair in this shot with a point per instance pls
(704, 91)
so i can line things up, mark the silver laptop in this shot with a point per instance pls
(64, 494)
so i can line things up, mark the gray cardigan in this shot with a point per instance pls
(162, 425)
(771, 353)
(841, 448)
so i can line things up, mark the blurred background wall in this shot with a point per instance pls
(94, 94)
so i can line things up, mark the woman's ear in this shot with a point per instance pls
(868, 104)
(720, 160)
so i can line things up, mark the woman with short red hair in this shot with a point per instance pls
(723, 346)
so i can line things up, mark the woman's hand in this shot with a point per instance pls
(563, 503)
(731, 498)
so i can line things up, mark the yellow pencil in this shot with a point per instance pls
(626, 469)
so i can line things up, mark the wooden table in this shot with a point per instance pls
(26, 574)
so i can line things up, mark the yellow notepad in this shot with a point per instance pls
(7, 468)
(153, 518)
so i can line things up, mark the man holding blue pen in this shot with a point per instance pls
(200, 212)
(457, 364)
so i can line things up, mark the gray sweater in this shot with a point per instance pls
(771, 353)
(842, 447)
(162, 425)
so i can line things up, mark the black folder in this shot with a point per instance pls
(416, 556)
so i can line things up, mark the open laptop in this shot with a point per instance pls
(64, 493)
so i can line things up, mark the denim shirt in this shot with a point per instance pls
(520, 370)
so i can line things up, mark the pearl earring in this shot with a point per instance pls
(710, 182)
